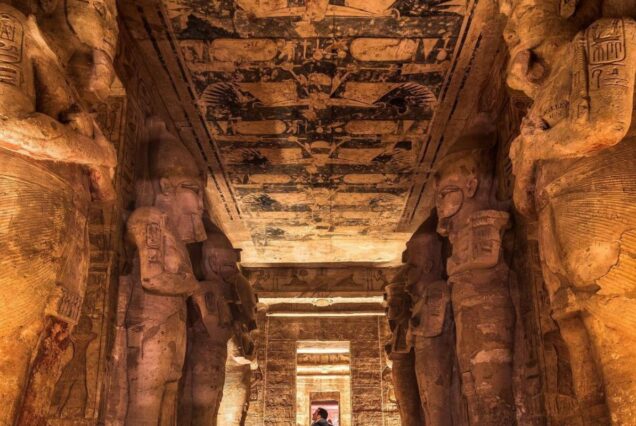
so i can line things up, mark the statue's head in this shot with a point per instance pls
(89, 43)
(95, 23)
(398, 302)
(177, 185)
(219, 257)
(423, 258)
(464, 180)
(536, 33)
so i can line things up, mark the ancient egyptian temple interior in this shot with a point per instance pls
(317, 213)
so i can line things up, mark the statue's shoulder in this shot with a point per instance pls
(146, 218)
(8, 15)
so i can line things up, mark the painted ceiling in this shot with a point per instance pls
(319, 112)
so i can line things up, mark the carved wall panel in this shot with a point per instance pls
(320, 281)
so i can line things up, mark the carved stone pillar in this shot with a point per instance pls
(223, 306)
(400, 352)
(478, 277)
(162, 280)
(236, 390)
(431, 329)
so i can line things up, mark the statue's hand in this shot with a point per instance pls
(102, 176)
(190, 284)
(102, 183)
(109, 155)
(79, 122)
(523, 169)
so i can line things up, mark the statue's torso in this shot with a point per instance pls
(477, 245)
(20, 42)
(585, 203)
(43, 204)
(212, 318)
(17, 82)
(146, 305)
(429, 310)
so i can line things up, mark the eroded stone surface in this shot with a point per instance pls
(574, 163)
(52, 154)
(400, 351)
(223, 307)
(162, 280)
(478, 276)
(431, 328)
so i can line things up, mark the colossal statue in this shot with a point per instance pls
(163, 279)
(431, 328)
(65, 26)
(224, 305)
(400, 352)
(478, 276)
(51, 155)
(574, 166)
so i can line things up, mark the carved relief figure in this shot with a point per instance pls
(431, 329)
(51, 155)
(478, 277)
(69, 398)
(155, 321)
(400, 352)
(574, 166)
(222, 305)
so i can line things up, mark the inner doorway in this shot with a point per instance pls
(330, 401)
(323, 379)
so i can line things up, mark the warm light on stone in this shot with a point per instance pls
(237, 212)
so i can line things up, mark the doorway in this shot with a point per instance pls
(323, 379)
(330, 401)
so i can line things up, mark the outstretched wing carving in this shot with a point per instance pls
(226, 96)
(407, 96)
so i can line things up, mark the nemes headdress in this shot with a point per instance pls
(217, 240)
(168, 158)
(532, 21)
(474, 148)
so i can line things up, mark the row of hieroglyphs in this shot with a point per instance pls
(320, 10)
(228, 54)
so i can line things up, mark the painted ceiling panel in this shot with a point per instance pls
(319, 109)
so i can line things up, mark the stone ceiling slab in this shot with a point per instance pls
(319, 114)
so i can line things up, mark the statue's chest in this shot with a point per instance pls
(175, 255)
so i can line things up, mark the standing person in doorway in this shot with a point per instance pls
(319, 417)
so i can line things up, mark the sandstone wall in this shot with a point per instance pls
(372, 400)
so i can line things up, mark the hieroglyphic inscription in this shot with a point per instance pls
(607, 54)
(11, 49)
(318, 108)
